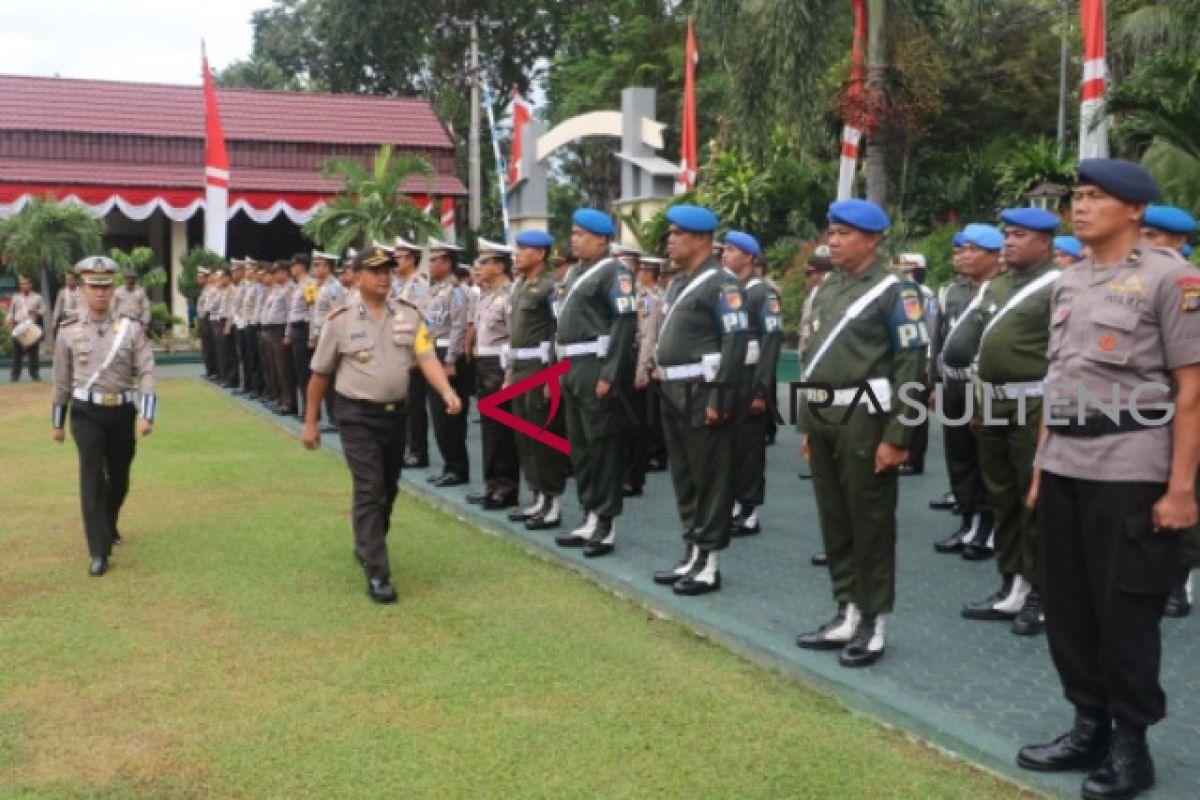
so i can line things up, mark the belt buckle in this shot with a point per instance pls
(109, 399)
(389, 407)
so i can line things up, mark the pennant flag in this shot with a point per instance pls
(216, 166)
(687, 148)
(448, 227)
(856, 114)
(1093, 128)
(522, 113)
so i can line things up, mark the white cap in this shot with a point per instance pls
(438, 244)
(488, 246)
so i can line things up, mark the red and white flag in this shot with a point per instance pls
(1093, 128)
(522, 113)
(687, 148)
(856, 115)
(448, 227)
(216, 166)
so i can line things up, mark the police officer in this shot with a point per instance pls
(330, 296)
(252, 367)
(703, 340)
(868, 327)
(1009, 371)
(240, 288)
(531, 327)
(652, 269)
(958, 346)
(912, 267)
(955, 294)
(26, 306)
(764, 317)
(130, 300)
(104, 375)
(447, 311)
(412, 286)
(299, 320)
(501, 468)
(270, 392)
(597, 323)
(370, 347)
(816, 270)
(1114, 491)
(68, 303)
(275, 325)
(640, 434)
(1067, 251)
(221, 318)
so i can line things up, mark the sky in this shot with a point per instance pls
(127, 40)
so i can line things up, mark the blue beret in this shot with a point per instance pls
(1171, 219)
(1124, 180)
(693, 219)
(1069, 244)
(594, 221)
(1035, 219)
(861, 214)
(535, 239)
(744, 242)
(985, 237)
(959, 239)
(1186, 251)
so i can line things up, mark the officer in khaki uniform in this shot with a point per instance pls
(597, 323)
(68, 303)
(1009, 368)
(130, 300)
(413, 287)
(868, 327)
(703, 340)
(26, 306)
(1115, 491)
(501, 469)
(330, 296)
(447, 311)
(275, 317)
(764, 316)
(299, 320)
(208, 352)
(641, 436)
(370, 347)
(531, 327)
(223, 330)
(104, 375)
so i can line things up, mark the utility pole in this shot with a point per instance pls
(1062, 79)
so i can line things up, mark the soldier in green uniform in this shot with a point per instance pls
(868, 328)
(1008, 374)
(596, 325)
(764, 318)
(531, 329)
(703, 340)
(947, 501)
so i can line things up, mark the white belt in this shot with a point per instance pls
(752, 353)
(104, 399)
(682, 372)
(957, 373)
(880, 387)
(442, 342)
(1013, 391)
(531, 353)
(490, 352)
(577, 349)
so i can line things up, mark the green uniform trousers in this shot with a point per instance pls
(857, 508)
(1006, 452)
(544, 468)
(702, 461)
(595, 430)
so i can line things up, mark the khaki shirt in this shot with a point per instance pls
(222, 309)
(276, 304)
(649, 305)
(304, 297)
(132, 303)
(491, 324)
(446, 314)
(25, 306)
(371, 357)
(82, 348)
(240, 290)
(208, 296)
(330, 296)
(254, 304)
(413, 289)
(806, 315)
(68, 303)
(1117, 328)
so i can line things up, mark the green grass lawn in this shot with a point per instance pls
(232, 652)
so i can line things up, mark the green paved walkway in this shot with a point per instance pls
(970, 687)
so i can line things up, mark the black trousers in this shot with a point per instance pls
(248, 352)
(208, 348)
(961, 448)
(301, 358)
(282, 369)
(750, 476)
(227, 357)
(1105, 577)
(501, 469)
(418, 418)
(373, 444)
(270, 388)
(450, 431)
(20, 354)
(638, 436)
(105, 441)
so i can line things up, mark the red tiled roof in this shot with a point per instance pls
(169, 176)
(149, 109)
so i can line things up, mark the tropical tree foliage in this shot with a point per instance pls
(45, 235)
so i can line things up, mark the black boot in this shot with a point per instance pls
(1031, 620)
(943, 503)
(978, 545)
(604, 538)
(704, 577)
(1082, 747)
(867, 645)
(954, 542)
(835, 634)
(1179, 605)
(98, 567)
(667, 577)
(1126, 772)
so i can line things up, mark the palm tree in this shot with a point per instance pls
(1161, 100)
(45, 236)
(372, 206)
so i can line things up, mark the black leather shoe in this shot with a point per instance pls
(413, 461)
(943, 503)
(98, 567)
(495, 503)
(449, 479)
(1178, 604)
(116, 540)
(833, 635)
(867, 645)
(1082, 747)
(631, 491)
(520, 515)
(477, 498)
(381, 591)
(702, 578)
(603, 541)
(745, 527)
(1031, 620)
(819, 560)
(976, 552)
(1127, 771)
(986, 609)
(542, 522)
(909, 469)
(952, 543)
(668, 577)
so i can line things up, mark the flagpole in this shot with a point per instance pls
(1093, 126)
(855, 116)
(501, 172)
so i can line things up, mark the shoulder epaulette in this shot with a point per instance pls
(408, 303)
(69, 319)
(336, 312)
